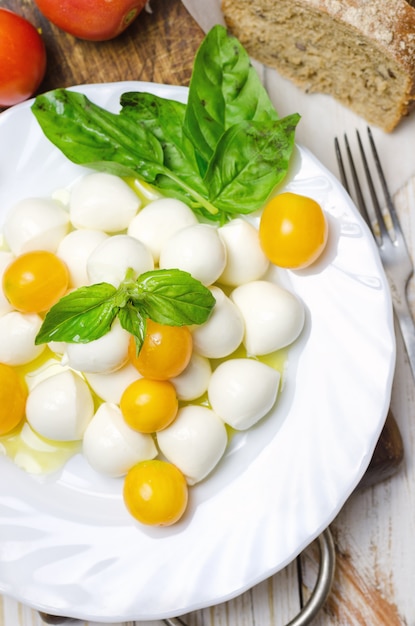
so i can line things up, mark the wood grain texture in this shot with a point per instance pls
(158, 47)
(374, 543)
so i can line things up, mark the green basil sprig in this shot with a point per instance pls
(168, 296)
(223, 153)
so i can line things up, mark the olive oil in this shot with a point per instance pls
(28, 450)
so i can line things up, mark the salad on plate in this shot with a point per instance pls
(173, 344)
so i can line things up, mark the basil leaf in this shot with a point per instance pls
(81, 316)
(224, 90)
(250, 160)
(92, 136)
(164, 119)
(173, 297)
(132, 320)
(89, 135)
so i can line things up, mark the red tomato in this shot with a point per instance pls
(22, 58)
(96, 20)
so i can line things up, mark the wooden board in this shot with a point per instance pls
(158, 47)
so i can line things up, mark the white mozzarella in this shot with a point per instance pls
(106, 354)
(5, 258)
(110, 387)
(193, 381)
(194, 442)
(273, 316)
(58, 347)
(102, 201)
(112, 258)
(223, 332)
(245, 260)
(35, 224)
(60, 407)
(242, 391)
(195, 249)
(158, 221)
(74, 250)
(111, 447)
(17, 337)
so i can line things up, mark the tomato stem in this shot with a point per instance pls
(129, 17)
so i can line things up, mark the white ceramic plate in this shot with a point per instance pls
(67, 545)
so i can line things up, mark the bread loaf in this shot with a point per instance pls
(361, 52)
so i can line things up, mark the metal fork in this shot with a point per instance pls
(388, 235)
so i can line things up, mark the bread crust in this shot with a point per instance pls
(386, 27)
(390, 23)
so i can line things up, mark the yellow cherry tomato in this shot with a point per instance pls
(149, 405)
(35, 281)
(293, 230)
(155, 493)
(165, 352)
(12, 399)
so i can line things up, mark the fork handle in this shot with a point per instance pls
(406, 323)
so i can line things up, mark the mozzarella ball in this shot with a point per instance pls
(102, 201)
(60, 407)
(158, 221)
(194, 442)
(113, 257)
(111, 386)
(273, 316)
(242, 391)
(196, 249)
(245, 260)
(111, 447)
(58, 347)
(17, 338)
(74, 250)
(5, 259)
(106, 354)
(223, 332)
(193, 381)
(35, 224)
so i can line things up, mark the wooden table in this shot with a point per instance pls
(374, 531)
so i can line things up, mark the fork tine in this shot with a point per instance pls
(343, 177)
(385, 189)
(372, 191)
(359, 194)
